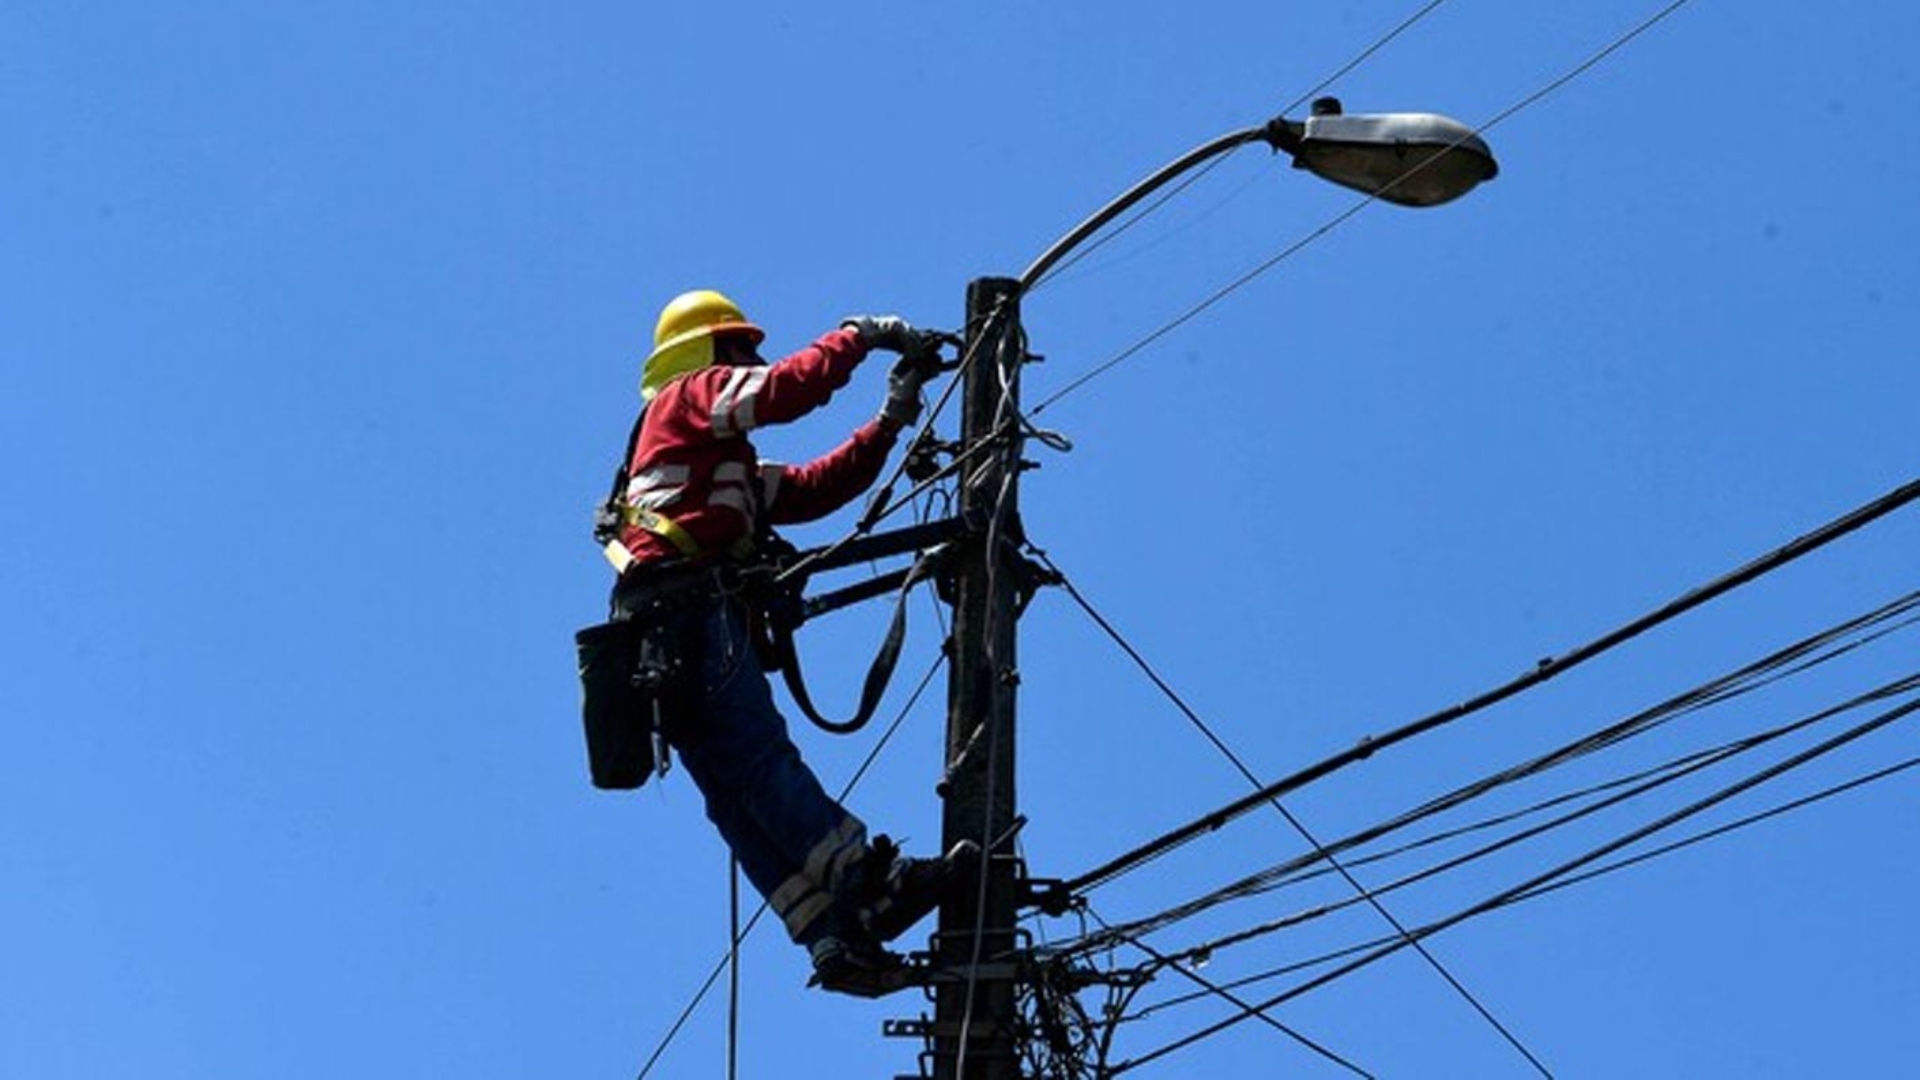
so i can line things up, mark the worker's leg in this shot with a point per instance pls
(797, 846)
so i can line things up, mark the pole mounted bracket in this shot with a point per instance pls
(1049, 895)
(1029, 578)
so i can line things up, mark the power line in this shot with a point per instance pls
(1562, 870)
(1726, 829)
(733, 968)
(1725, 753)
(1209, 988)
(1797, 658)
(1582, 878)
(1299, 871)
(1361, 890)
(1366, 54)
(1341, 218)
(1545, 670)
(1802, 656)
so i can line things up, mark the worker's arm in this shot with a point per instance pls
(736, 400)
(793, 493)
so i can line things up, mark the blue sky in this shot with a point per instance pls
(322, 332)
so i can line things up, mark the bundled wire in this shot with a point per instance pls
(1795, 659)
(1545, 670)
(1562, 871)
(1801, 657)
(1585, 876)
(1667, 775)
(1321, 853)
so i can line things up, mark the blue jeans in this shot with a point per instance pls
(801, 850)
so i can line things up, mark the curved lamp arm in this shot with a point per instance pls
(1132, 196)
(1409, 159)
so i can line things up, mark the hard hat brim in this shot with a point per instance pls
(758, 335)
(686, 352)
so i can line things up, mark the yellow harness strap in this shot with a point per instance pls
(664, 527)
(658, 524)
(669, 529)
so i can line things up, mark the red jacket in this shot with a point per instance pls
(694, 466)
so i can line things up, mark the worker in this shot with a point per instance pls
(696, 500)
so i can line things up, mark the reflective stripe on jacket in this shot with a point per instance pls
(694, 465)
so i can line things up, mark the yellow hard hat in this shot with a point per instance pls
(683, 338)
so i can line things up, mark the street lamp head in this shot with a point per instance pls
(1411, 159)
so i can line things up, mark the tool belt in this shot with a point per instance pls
(639, 670)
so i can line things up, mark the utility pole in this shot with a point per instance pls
(977, 1031)
(975, 1017)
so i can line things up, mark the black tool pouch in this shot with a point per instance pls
(635, 679)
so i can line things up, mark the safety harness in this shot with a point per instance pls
(611, 514)
(615, 513)
(783, 611)
(769, 576)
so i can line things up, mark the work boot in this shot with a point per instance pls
(858, 967)
(901, 891)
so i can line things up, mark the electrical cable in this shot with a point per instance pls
(1366, 54)
(1341, 218)
(1726, 753)
(1800, 657)
(1582, 878)
(1723, 830)
(1796, 659)
(1209, 988)
(1299, 870)
(733, 967)
(1510, 817)
(1298, 826)
(1559, 871)
(1543, 671)
(1268, 975)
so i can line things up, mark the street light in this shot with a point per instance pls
(1409, 159)
(1412, 159)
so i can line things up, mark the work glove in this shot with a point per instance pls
(904, 380)
(889, 332)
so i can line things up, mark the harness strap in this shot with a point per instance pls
(780, 631)
(608, 515)
(658, 524)
(668, 529)
(662, 526)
